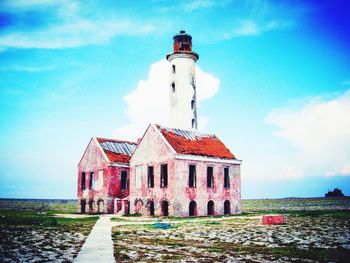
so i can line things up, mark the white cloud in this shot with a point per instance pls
(320, 132)
(149, 101)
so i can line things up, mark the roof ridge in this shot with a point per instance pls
(193, 131)
(102, 140)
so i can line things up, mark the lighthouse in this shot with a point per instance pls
(182, 86)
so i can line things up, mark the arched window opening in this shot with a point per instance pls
(173, 87)
(165, 208)
(192, 208)
(210, 208)
(174, 69)
(193, 123)
(227, 207)
(192, 105)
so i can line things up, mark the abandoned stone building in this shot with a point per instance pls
(174, 170)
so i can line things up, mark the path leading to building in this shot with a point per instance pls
(98, 246)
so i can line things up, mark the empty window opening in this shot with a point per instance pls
(138, 206)
(100, 206)
(165, 208)
(82, 206)
(227, 207)
(91, 206)
(192, 104)
(126, 208)
(192, 176)
(124, 180)
(83, 179)
(193, 123)
(164, 175)
(173, 87)
(192, 208)
(210, 208)
(91, 181)
(210, 177)
(174, 69)
(226, 178)
(150, 208)
(150, 177)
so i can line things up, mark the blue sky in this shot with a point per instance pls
(274, 78)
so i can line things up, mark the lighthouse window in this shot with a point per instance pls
(193, 123)
(192, 104)
(173, 87)
(174, 71)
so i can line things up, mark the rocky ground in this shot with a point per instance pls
(30, 232)
(313, 235)
(40, 244)
(317, 230)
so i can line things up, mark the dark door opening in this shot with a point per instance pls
(165, 208)
(210, 208)
(227, 207)
(151, 208)
(192, 210)
(82, 206)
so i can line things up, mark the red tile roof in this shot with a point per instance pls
(117, 150)
(195, 143)
(117, 157)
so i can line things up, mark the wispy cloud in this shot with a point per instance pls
(346, 82)
(66, 25)
(197, 4)
(80, 33)
(249, 27)
(28, 68)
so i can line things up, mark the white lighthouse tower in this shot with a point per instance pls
(183, 108)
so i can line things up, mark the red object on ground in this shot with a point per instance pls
(273, 219)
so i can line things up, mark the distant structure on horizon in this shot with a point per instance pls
(174, 170)
(335, 193)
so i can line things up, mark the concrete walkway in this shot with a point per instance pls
(98, 246)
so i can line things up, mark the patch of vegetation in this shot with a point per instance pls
(15, 217)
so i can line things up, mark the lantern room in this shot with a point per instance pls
(182, 42)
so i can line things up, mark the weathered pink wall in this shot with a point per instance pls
(152, 151)
(201, 194)
(107, 183)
